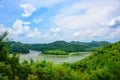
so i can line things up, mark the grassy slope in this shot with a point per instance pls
(102, 65)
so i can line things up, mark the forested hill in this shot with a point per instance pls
(57, 45)
(103, 64)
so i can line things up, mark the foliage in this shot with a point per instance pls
(78, 53)
(102, 65)
(57, 45)
(55, 52)
(17, 47)
(3, 46)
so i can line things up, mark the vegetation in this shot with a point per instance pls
(3, 47)
(102, 65)
(17, 47)
(55, 52)
(78, 53)
(58, 45)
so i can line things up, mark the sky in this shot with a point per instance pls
(44, 21)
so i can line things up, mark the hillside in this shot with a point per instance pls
(58, 45)
(101, 65)
(18, 47)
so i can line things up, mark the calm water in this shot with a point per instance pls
(54, 58)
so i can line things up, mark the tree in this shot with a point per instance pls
(3, 49)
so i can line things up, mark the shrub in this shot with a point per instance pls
(55, 52)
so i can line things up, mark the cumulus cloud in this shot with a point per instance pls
(35, 33)
(44, 3)
(37, 21)
(28, 9)
(55, 30)
(20, 30)
(19, 27)
(115, 33)
(2, 28)
(78, 20)
(83, 33)
(23, 28)
(94, 13)
(83, 21)
(115, 22)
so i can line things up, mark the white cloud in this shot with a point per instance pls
(83, 33)
(37, 21)
(47, 37)
(49, 3)
(19, 27)
(77, 20)
(2, 28)
(94, 14)
(28, 9)
(115, 33)
(82, 20)
(20, 31)
(55, 30)
(35, 33)
(113, 26)
(27, 23)
(44, 3)
(115, 22)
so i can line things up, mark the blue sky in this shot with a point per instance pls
(43, 21)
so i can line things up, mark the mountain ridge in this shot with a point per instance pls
(73, 46)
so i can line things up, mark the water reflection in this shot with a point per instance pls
(53, 58)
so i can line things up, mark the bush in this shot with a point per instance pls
(55, 52)
(102, 65)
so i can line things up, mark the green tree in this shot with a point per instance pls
(3, 49)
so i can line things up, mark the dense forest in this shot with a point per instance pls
(73, 46)
(103, 64)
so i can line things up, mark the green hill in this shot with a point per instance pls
(101, 65)
(58, 45)
(18, 47)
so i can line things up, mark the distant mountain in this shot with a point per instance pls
(92, 43)
(57, 45)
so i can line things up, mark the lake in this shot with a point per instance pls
(35, 55)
